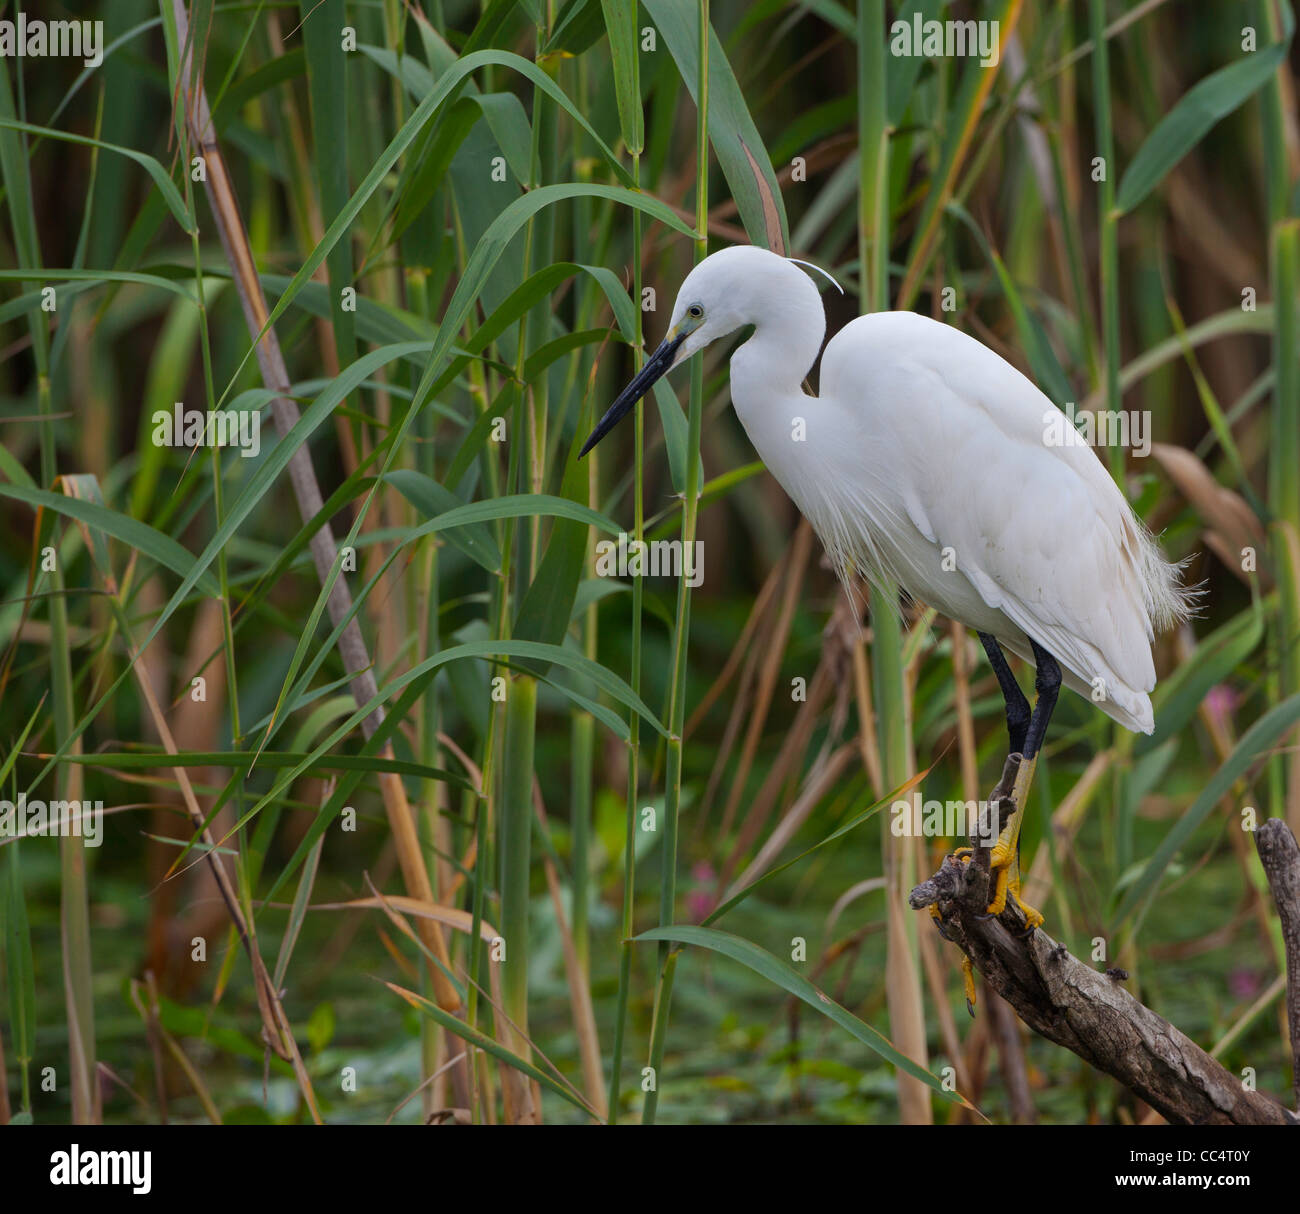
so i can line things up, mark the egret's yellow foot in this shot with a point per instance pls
(1033, 917)
(1001, 882)
(1006, 887)
(1003, 859)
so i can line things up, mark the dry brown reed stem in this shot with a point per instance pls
(758, 711)
(961, 672)
(742, 649)
(352, 646)
(584, 1013)
(736, 717)
(932, 966)
(790, 759)
(277, 1032)
(1011, 1061)
(5, 1112)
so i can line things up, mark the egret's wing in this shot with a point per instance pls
(1039, 528)
(956, 449)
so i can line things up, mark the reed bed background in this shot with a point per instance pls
(411, 814)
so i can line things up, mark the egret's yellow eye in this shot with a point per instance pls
(695, 311)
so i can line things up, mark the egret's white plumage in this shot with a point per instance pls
(925, 459)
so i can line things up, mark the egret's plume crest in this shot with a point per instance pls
(824, 273)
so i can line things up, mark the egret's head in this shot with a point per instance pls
(735, 287)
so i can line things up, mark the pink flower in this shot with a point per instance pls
(701, 898)
(699, 902)
(1243, 983)
(1220, 701)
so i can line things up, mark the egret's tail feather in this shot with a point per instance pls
(1167, 600)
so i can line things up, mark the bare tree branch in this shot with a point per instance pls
(1089, 1012)
(1280, 856)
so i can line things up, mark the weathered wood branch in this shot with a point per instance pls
(1090, 1013)
(1280, 856)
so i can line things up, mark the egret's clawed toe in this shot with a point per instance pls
(968, 984)
(1006, 886)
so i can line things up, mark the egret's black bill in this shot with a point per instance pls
(655, 366)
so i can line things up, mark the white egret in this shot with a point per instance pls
(928, 461)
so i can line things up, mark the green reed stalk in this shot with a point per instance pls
(482, 809)
(516, 850)
(1284, 455)
(893, 740)
(1108, 288)
(486, 824)
(682, 623)
(425, 601)
(1061, 115)
(582, 726)
(516, 776)
(74, 893)
(634, 137)
(1107, 219)
(74, 888)
(634, 730)
(1284, 485)
(582, 745)
(582, 734)
(19, 975)
(873, 161)
(1284, 448)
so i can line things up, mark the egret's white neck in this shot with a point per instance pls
(767, 371)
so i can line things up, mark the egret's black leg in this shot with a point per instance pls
(1047, 683)
(1005, 858)
(1018, 715)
